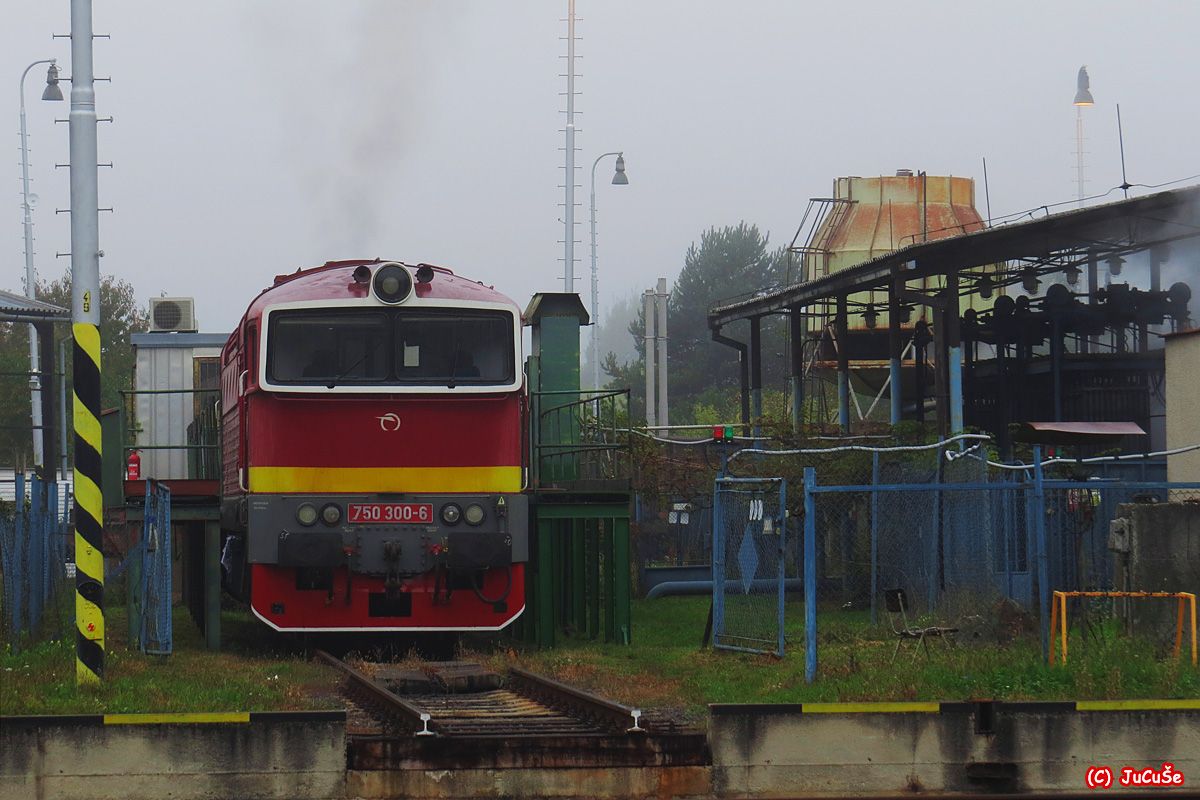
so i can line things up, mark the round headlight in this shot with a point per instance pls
(392, 283)
(331, 514)
(451, 514)
(306, 514)
(474, 514)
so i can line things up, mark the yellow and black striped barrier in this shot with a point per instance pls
(89, 507)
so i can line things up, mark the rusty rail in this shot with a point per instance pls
(577, 701)
(392, 702)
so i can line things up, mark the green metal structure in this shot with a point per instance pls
(578, 581)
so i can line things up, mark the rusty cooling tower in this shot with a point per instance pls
(870, 217)
(888, 212)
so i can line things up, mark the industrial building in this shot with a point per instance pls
(902, 290)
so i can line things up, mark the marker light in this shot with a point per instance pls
(306, 514)
(474, 514)
(331, 514)
(722, 433)
(451, 514)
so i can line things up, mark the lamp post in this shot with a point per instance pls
(619, 179)
(1083, 97)
(52, 92)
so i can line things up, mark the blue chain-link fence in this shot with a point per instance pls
(962, 540)
(34, 528)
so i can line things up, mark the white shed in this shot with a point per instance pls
(168, 411)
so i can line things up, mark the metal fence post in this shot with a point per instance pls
(1039, 525)
(37, 554)
(783, 517)
(933, 551)
(810, 576)
(620, 582)
(53, 568)
(874, 536)
(20, 560)
(718, 564)
(212, 584)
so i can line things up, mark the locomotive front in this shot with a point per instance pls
(373, 452)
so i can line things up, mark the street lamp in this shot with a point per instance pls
(619, 179)
(52, 92)
(1083, 97)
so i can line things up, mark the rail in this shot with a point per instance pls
(530, 705)
(379, 695)
(575, 700)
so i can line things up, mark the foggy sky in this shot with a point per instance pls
(252, 137)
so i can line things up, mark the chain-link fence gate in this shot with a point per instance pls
(749, 547)
(156, 635)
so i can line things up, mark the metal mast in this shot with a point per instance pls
(85, 319)
(569, 164)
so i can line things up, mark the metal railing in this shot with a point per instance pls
(580, 440)
(199, 438)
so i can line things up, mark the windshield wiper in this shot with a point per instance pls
(334, 381)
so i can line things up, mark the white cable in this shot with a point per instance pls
(864, 448)
(1097, 459)
(953, 456)
(652, 437)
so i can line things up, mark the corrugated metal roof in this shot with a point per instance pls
(18, 305)
(1091, 428)
(1075, 432)
(1035, 237)
(1184, 332)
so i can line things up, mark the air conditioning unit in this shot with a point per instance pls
(173, 314)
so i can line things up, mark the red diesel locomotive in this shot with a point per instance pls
(373, 452)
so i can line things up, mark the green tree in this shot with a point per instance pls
(120, 316)
(727, 262)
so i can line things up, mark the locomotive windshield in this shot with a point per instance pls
(403, 347)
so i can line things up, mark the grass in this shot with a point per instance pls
(663, 668)
(665, 665)
(244, 677)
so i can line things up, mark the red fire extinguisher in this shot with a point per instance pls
(133, 469)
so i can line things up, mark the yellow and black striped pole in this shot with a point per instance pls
(85, 318)
(89, 507)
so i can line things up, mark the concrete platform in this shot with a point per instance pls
(809, 750)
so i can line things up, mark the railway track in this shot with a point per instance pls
(460, 700)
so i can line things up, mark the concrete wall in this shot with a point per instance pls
(781, 751)
(1183, 404)
(300, 756)
(1164, 556)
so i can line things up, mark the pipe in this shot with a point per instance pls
(759, 586)
(954, 353)
(756, 406)
(745, 372)
(796, 323)
(895, 353)
(843, 365)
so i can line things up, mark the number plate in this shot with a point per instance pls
(410, 513)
